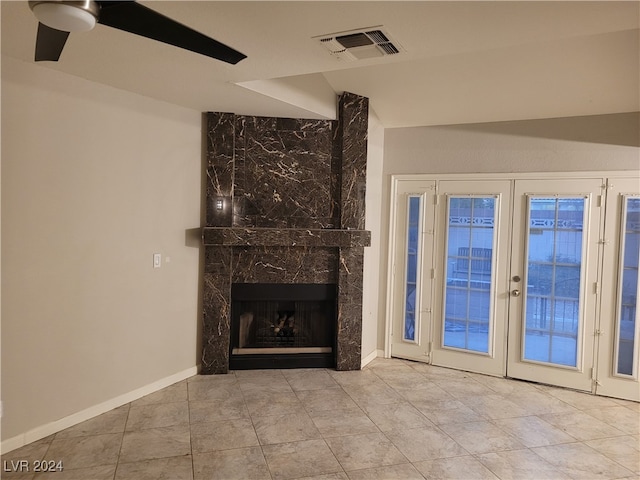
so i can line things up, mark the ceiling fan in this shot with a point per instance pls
(60, 17)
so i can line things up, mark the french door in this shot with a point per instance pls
(520, 277)
(470, 307)
(553, 281)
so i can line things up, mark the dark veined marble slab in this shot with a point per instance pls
(287, 237)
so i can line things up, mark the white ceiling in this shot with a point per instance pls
(463, 62)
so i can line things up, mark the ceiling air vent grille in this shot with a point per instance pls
(389, 48)
(354, 45)
(378, 36)
(354, 40)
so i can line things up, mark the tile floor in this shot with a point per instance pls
(392, 420)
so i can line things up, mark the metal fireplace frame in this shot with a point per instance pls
(274, 292)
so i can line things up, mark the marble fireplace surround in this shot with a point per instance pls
(285, 204)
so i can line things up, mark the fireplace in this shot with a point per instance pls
(282, 326)
(285, 213)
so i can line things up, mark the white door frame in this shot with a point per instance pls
(607, 381)
(415, 349)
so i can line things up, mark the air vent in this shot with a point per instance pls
(389, 48)
(354, 40)
(360, 44)
(378, 36)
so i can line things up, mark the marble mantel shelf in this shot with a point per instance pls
(284, 237)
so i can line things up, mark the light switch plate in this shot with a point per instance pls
(157, 260)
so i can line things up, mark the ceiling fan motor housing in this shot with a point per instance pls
(67, 16)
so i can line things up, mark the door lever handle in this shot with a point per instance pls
(515, 293)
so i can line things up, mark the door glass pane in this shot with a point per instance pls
(626, 344)
(554, 259)
(468, 293)
(412, 265)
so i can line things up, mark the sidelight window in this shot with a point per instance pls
(627, 324)
(412, 280)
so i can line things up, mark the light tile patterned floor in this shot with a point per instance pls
(393, 420)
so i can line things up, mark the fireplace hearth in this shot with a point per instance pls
(284, 213)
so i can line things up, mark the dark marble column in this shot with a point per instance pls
(353, 118)
(350, 147)
(349, 326)
(216, 310)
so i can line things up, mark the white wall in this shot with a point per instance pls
(603, 142)
(372, 255)
(94, 181)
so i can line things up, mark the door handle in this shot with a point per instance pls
(515, 293)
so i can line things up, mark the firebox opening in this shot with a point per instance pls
(282, 325)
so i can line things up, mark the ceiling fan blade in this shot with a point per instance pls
(135, 18)
(49, 43)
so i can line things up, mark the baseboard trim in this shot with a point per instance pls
(69, 421)
(372, 356)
